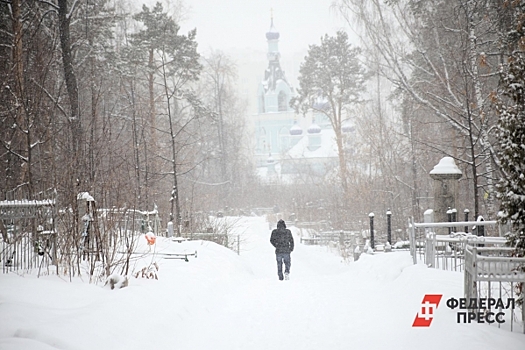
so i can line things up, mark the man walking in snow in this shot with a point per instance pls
(282, 240)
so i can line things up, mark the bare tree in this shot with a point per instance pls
(439, 56)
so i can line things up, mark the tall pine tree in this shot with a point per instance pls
(511, 136)
(333, 73)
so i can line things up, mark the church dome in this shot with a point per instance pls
(314, 129)
(272, 34)
(296, 129)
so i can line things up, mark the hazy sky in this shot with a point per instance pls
(238, 29)
(238, 24)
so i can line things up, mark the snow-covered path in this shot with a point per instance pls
(224, 301)
(327, 304)
(264, 313)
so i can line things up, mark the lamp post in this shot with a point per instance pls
(455, 218)
(466, 211)
(449, 219)
(389, 226)
(371, 216)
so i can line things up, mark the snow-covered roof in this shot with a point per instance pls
(327, 149)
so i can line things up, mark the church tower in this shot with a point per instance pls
(288, 146)
(274, 92)
(277, 127)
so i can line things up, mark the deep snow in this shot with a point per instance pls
(221, 300)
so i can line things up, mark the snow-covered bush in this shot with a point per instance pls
(116, 281)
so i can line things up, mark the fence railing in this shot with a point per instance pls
(490, 270)
(325, 237)
(27, 251)
(33, 234)
(27, 234)
(447, 252)
(493, 273)
(417, 234)
(219, 238)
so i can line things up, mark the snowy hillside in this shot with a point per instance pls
(221, 300)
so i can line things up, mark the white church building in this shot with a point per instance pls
(289, 147)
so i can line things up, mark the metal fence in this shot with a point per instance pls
(325, 237)
(490, 270)
(27, 251)
(27, 234)
(34, 235)
(447, 252)
(219, 238)
(493, 273)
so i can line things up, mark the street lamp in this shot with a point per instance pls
(466, 211)
(449, 219)
(371, 216)
(389, 226)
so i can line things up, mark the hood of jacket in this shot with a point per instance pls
(281, 224)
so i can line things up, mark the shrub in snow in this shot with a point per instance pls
(116, 281)
(401, 245)
(149, 272)
(367, 249)
(357, 253)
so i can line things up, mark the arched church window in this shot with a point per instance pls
(281, 100)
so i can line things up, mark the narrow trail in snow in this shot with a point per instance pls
(265, 313)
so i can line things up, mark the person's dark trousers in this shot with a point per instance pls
(283, 257)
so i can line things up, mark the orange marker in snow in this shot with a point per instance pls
(150, 238)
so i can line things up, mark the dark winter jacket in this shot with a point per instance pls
(282, 239)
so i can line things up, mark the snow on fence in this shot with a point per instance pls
(33, 234)
(27, 251)
(490, 271)
(219, 238)
(134, 220)
(446, 251)
(493, 273)
(340, 241)
(325, 237)
(25, 208)
(27, 238)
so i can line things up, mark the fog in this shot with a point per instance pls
(238, 29)
(236, 25)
